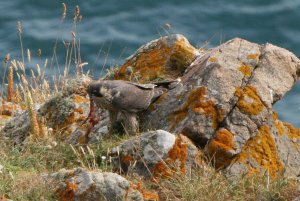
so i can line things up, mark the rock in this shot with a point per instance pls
(161, 59)
(63, 113)
(224, 105)
(7, 111)
(80, 184)
(156, 154)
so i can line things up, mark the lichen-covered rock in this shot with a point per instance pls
(82, 185)
(161, 59)
(224, 104)
(63, 113)
(7, 111)
(156, 154)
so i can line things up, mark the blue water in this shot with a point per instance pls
(119, 27)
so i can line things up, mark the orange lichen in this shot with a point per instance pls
(293, 133)
(159, 62)
(249, 101)
(278, 124)
(220, 147)
(176, 160)
(246, 70)
(262, 150)
(68, 193)
(147, 195)
(213, 59)
(198, 104)
(179, 153)
(161, 170)
(252, 56)
(127, 159)
(181, 56)
(80, 99)
(7, 108)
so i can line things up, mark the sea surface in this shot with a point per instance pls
(111, 30)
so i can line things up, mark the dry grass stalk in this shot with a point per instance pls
(64, 14)
(28, 55)
(10, 87)
(35, 128)
(39, 52)
(20, 38)
(76, 13)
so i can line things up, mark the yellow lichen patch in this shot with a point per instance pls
(4, 117)
(198, 104)
(262, 150)
(249, 101)
(213, 59)
(220, 147)
(69, 192)
(278, 124)
(246, 70)
(149, 64)
(161, 61)
(252, 56)
(293, 133)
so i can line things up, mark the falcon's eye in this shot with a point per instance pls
(96, 93)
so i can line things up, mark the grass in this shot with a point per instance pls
(24, 166)
(42, 154)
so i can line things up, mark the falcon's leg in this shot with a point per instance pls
(113, 117)
(131, 124)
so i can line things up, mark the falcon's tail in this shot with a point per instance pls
(162, 87)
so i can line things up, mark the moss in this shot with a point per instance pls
(219, 148)
(248, 100)
(197, 103)
(69, 192)
(262, 150)
(246, 70)
(278, 124)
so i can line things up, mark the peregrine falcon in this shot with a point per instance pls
(126, 98)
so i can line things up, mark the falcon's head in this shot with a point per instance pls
(94, 89)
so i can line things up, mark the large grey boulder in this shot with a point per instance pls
(224, 104)
(156, 154)
(83, 185)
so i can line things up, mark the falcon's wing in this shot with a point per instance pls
(131, 98)
(143, 86)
